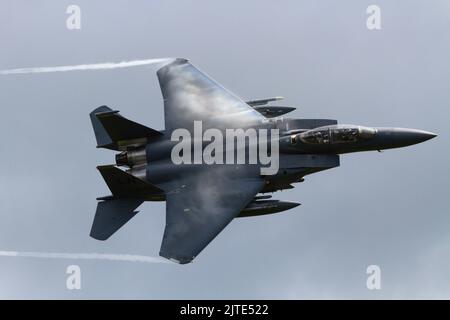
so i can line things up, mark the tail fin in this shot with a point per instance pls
(111, 215)
(128, 193)
(112, 131)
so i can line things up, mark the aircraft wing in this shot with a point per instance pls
(200, 206)
(191, 95)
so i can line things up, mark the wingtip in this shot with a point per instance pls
(176, 61)
(101, 109)
(168, 66)
(176, 259)
(182, 60)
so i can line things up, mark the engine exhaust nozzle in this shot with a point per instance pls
(131, 158)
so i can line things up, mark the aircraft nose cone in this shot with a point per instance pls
(427, 135)
(413, 136)
(402, 137)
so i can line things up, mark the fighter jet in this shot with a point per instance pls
(204, 191)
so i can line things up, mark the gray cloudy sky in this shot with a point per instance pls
(389, 209)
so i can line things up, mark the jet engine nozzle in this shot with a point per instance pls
(131, 158)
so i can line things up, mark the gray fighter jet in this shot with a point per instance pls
(202, 197)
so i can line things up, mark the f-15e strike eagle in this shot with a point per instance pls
(215, 156)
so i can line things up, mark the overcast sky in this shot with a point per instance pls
(389, 209)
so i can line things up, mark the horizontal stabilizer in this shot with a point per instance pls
(125, 185)
(111, 215)
(115, 132)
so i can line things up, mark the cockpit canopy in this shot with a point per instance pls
(337, 134)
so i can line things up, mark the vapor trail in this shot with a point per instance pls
(96, 66)
(85, 256)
